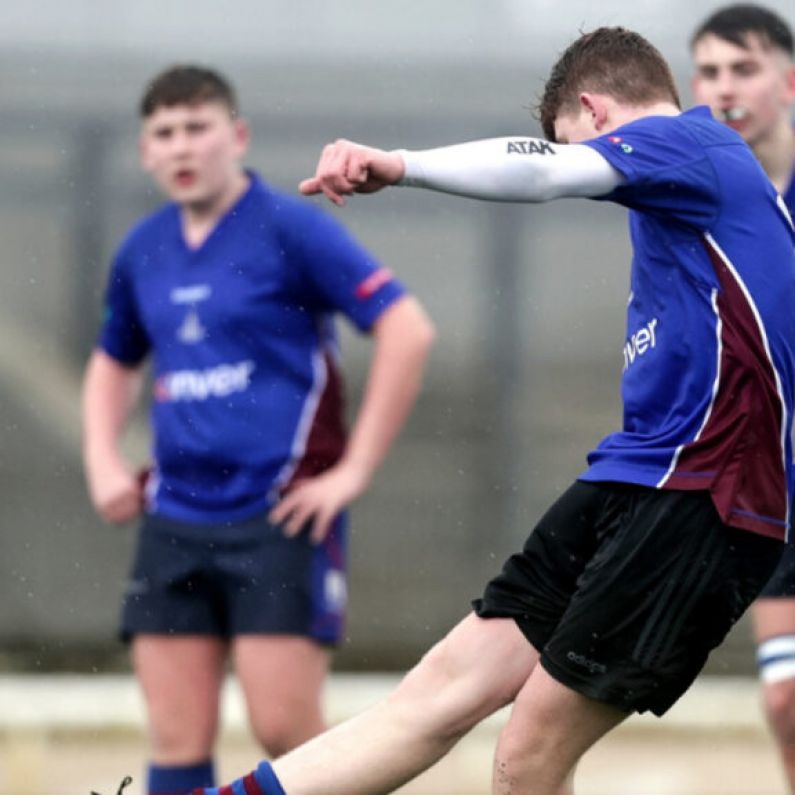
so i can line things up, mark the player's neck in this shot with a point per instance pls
(200, 218)
(624, 114)
(776, 153)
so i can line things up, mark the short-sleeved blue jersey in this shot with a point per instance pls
(247, 393)
(709, 358)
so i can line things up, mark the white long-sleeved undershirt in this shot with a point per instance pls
(511, 169)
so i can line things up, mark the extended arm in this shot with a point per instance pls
(109, 394)
(511, 169)
(403, 336)
(498, 169)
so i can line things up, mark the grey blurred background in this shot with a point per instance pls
(528, 300)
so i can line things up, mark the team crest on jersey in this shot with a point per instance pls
(191, 331)
(618, 141)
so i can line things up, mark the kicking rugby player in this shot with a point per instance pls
(643, 565)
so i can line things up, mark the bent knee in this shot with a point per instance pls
(279, 732)
(523, 752)
(275, 740)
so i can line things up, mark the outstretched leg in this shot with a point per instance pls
(479, 667)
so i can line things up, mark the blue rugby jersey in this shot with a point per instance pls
(709, 359)
(247, 394)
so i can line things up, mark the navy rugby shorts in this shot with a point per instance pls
(625, 590)
(235, 579)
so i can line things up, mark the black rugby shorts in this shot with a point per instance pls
(782, 584)
(624, 590)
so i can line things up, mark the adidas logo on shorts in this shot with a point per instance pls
(592, 666)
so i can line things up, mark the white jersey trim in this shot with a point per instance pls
(305, 422)
(784, 209)
(715, 386)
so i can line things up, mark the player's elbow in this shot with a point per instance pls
(423, 332)
(546, 186)
(417, 338)
(409, 324)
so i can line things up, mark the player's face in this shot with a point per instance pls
(194, 152)
(750, 89)
(573, 128)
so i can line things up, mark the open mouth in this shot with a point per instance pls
(733, 114)
(185, 177)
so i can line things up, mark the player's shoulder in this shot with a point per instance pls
(676, 140)
(708, 131)
(286, 206)
(292, 217)
(695, 124)
(150, 229)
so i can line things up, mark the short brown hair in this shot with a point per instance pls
(734, 23)
(187, 84)
(613, 61)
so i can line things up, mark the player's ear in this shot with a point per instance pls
(790, 83)
(596, 108)
(242, 135)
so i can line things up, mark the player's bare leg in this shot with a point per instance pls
(550, 728)
(180, 678)
(282, 679)
(478, 668)
(774, 622)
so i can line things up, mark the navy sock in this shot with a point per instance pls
(261, 781)
(180, 779)
(266, 778)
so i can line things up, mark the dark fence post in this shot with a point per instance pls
(505, 353)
